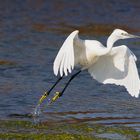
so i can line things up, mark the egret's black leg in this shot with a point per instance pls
(48, 92)
(58, 94)
(72, 77)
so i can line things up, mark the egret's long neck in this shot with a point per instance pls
(110, 42)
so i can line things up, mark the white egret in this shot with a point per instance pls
(113, 65)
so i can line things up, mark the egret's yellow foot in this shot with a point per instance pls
(57, 95)
(43, 97)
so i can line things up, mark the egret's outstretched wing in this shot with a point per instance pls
(64, 61)
(118, 68)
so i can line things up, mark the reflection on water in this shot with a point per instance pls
(31, 34)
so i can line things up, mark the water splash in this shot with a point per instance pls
(37, 111)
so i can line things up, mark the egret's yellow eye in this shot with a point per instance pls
(123, 34)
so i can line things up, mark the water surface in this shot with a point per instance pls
(31, 34)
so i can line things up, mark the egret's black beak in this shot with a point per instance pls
(132, 36)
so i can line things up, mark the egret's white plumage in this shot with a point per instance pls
(105, 64)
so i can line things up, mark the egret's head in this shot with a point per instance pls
(121, 34)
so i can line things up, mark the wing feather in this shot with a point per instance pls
(62, 64)
(118, 68)
(64, 61)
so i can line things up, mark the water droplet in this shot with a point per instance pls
(48, 102)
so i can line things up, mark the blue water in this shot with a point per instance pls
(31, 33)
